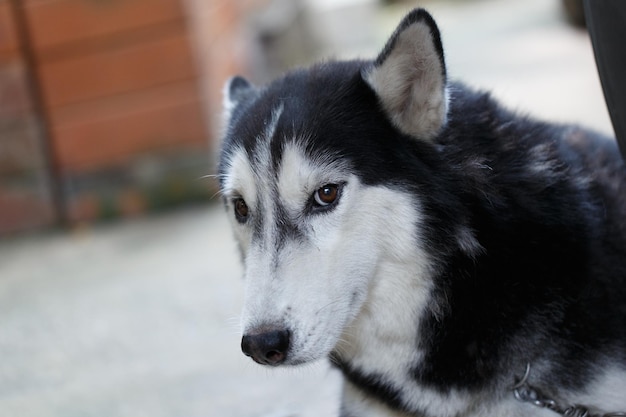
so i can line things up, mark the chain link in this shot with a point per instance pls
(525, 393)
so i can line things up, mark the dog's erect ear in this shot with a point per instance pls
(236, 90)
(409, 77)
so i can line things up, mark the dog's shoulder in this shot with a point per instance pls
(505, 150)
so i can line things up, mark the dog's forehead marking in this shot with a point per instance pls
(261, 151)
(257, 176)
(240, 177)
(249, 163)
(298, 176)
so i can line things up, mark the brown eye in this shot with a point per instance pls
(241, 209)
(326, 195)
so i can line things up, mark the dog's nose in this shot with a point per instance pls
(268, 348)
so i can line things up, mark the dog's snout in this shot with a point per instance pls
(267, 348)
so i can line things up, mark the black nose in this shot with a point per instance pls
(267, 348)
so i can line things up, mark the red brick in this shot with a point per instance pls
(15, 99)
(54, 22)
(8, 36)
(20, 149)
(117, 71)
(114, 135)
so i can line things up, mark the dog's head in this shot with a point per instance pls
(311, 173)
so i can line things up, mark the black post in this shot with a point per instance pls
(606, 21)
(43, 122)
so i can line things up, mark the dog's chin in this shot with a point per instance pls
(307, 356)
(292, 361)
(295, 362)
(303, 360)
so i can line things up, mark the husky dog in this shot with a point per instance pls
(449, 257)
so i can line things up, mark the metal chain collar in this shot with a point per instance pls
(525, 393)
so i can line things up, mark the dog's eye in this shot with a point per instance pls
(326, 195)
(241, 209)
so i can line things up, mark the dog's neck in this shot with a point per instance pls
(380, 344)
(386, 326)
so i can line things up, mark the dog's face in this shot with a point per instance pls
(311, 237)
(302, 170)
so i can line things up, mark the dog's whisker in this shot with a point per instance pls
(218, 192)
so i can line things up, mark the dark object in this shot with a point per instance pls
(606, 22)
(575, 12)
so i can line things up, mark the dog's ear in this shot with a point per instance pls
(409, 77)
(236, 90)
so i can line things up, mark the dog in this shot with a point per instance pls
(449, 257)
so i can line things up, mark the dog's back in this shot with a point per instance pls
(547, 205)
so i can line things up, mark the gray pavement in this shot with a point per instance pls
(139, 318)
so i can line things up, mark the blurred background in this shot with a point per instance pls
(119, 279)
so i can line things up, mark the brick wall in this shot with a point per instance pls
(126, 105)
(119, 85)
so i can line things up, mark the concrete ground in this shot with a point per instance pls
(139, 318)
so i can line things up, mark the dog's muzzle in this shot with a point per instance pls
(267, 348)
